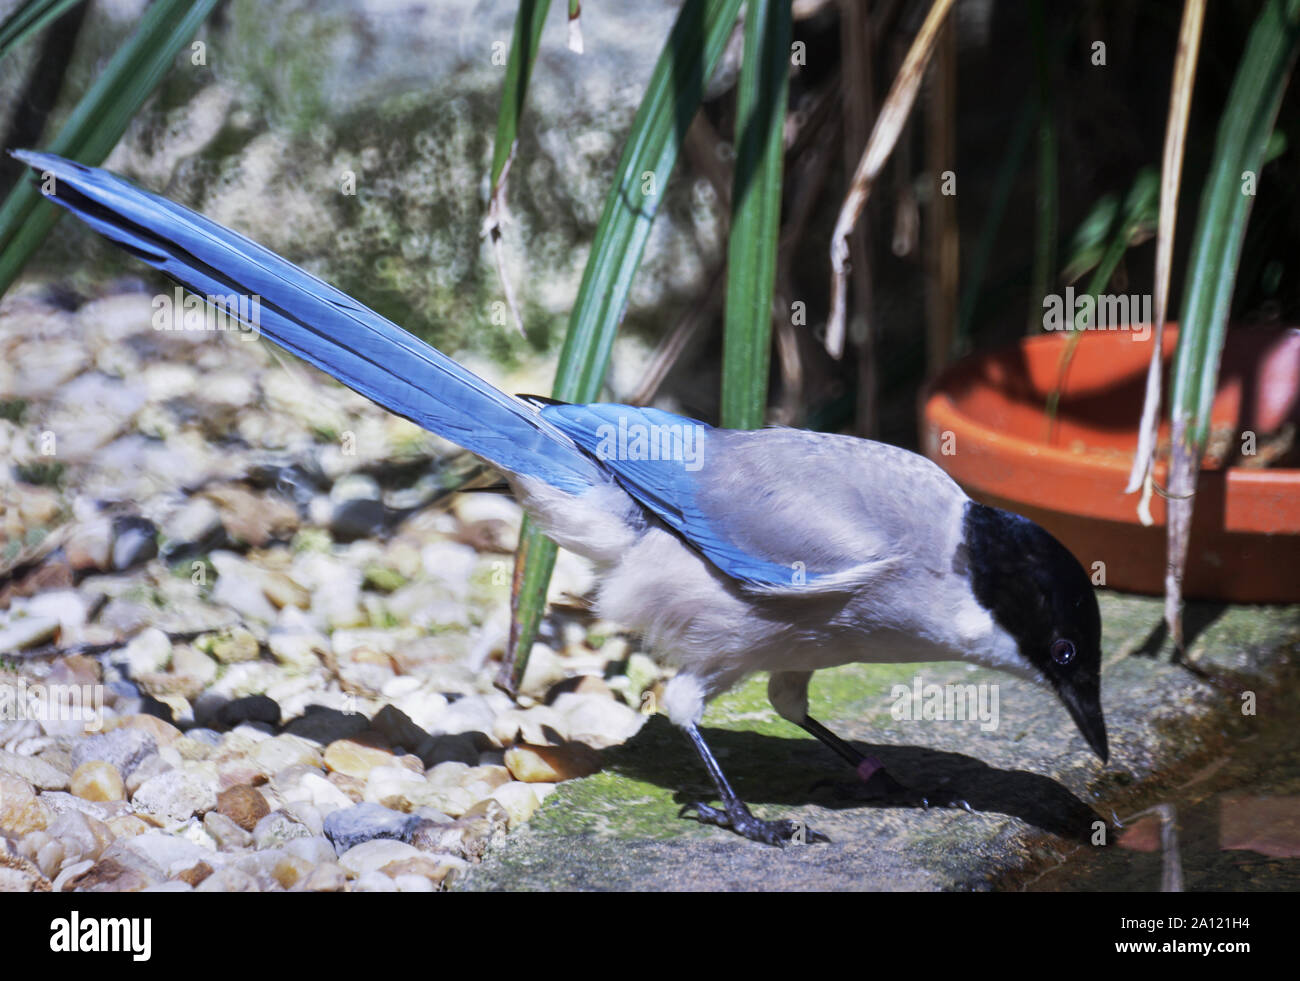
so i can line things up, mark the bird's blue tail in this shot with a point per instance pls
(320, 324)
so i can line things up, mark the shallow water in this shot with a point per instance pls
(1258, 757)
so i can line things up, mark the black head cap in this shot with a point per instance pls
(1039, 594)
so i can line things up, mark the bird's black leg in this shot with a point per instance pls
(870, 770)
(876, 780)
(734, 814)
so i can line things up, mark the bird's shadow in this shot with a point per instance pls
(1197, 618)
(766, 769)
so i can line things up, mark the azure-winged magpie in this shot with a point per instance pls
(731, 552)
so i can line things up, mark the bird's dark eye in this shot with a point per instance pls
(1062, 652)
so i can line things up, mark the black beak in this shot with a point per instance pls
(1085, 710)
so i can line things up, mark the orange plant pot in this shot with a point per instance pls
(984, 421)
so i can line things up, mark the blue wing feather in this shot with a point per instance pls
(660, 459)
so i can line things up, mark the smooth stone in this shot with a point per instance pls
(242, 592)
(310, 786)
(122, 872)
(471, 713)
(545, 670)
(242, 739)
(148, 651)
(277, 828)
(125, 748)
(196, 521)
(163, 732)
(485, 779)
(433, 869)
(374, 881)
(149, 768)
(441, 837)
(195, 874)
(519, 801)
(208, 737)
(284, 592)
(317, 849)
(195, 833)
(235, 645)
(20, 875)
(298, 648)
(90, 544)
(356, 759)
(371, 856)
(353, 787)
(596, 720)
(398, 729)
(28, 632)
(453, 801)
(98, 781)
(263, 866)
(232, 773)
(352, 826)
(228, 835)
(329, 877)
(551, 764)
(83, 837)
(250, 708)
(175, 796)
(46, 750)
(306, 814)
(128, 825)
(325, 725)
(422, 705)
(449, 774)
(194, 664)
(43, 851)
(244, 805)
(75, 669)
(398, 788)
(283, 751)
(172, 854)
(191, 749)
(60, 803)
(135, 540)
(290, 870)
(21, 812)
(36, 772)
(66, 606)
(69, 872)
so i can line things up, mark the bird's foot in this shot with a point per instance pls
(738, 819)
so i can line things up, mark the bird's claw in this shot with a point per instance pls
(951, 802)
(739, 819)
